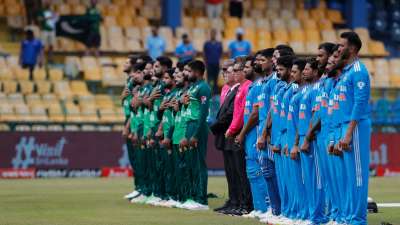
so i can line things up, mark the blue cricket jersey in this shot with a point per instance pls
(293, 117)
(278, 92)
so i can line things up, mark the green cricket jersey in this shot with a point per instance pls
(168, 115)
(179, 123)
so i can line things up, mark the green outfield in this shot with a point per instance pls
(95, 201)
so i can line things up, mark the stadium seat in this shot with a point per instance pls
(395, 72)
(377, 48)
(133, 33)
(6, 73)
(72, 113)
(312, 47)
(335, 16)
(107, 115)
(23, 113)
(89, 114)
(329, 36)
(40, 74)
(302, 14)
(309, 24)
(294, 23)
(62, 89)
(141, 22)
(298, 47)
(297, 35)
(313, 36)
(33, 99)
(381, 75)
(278, 25)
(248, 22)
(281, 36)
(286, 14)
(79, 87)
(38, 113)
(55, 74)
(104, 101)
(56, 114)
(26, 87)
(7, 113)
(21, 74)
(217, 23)
(9, 86)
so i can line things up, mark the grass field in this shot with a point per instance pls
(96, 201)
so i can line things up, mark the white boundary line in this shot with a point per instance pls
(388, 205)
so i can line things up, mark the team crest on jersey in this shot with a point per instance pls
(360, 85)
(203, 99)
(302, 115)
(342, 97)
(303, 107)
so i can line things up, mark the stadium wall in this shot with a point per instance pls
(75, 154)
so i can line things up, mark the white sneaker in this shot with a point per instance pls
(266, 215)
(281, 220)
(171, 203)
(188, 204)
(140, 199)
(370, 200)
(179, 205)
(252, 214)
(131, 195)
(306, 222)
(159, 203)
(152, 200)
(198, 206)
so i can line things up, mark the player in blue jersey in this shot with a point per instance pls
(297, 204)
(354, 95)
(248, 137)
(309, 159)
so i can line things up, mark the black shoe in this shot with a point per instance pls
(233, 212)
(245, 210)
(227, 210)
(225, 206)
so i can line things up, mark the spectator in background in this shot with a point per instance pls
(155, 44)
(94, 39)
(214, 8)
(31, 53)
(47, 21)
(236, 8)
(239, 47)
(185, 50)
(212, 55)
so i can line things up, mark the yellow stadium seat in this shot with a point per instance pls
(335, 16)
(248, 22)
(202, 22)
(136, 3)
(312, 47)
(6, 73)
(147, 12)
(16, 99)
(279, 42)
(278, 24)
(89, 114)
(62, 89)
(217, 23)
(26, 87)
(187, 22)
(313, 35)
(141, 22)
(21, 74)
(7, 113)
(382, 71)
(133, 33)
(324, 25)
(272, 14)
(39, 74)
(107, 115)
(309, 24)
(298, 47)
(111, 10)
(63, 9)
(38, 113)
(263, 24)
(124, 21)
(232, 22)
(317, 14)
(79, 87)
(329, 36)
(23, 113)
(72, 113)
(33, 99)
(263, 34)
(104, 101)
(377, 48)
(302, 14)
(56, 114)
(260, 4)
(79, 9)
(286, 14)
(55, 74)
(297, 35)
(369, 64)
(89, 62)
(281, 36)
(43, 87)
(92, 74)
(294, 23)
(109, 21)
(9, 86)
(395, 72)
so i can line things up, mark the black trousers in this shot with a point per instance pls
(238, 184)
(212, 73)
(236, 9)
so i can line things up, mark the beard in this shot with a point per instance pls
(258, 69)
(345, 54)
(147, 77)
(192, 78)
